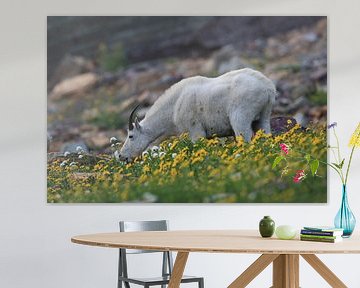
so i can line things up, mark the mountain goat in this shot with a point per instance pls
(235, 103)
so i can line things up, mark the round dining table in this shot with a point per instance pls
(283, 254)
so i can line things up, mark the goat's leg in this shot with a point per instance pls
(264, 121)
(241, 124)
(196, 132)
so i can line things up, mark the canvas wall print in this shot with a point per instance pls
(186, 109)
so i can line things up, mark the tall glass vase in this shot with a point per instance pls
(345, 219)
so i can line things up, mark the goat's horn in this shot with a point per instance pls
(132, 117)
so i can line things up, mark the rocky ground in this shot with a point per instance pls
(88, 104)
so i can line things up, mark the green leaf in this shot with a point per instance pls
(277, 160)
(314, 165)
(336, 165)
(342, 163)
(307, 157)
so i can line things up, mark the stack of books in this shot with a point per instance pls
(321, 234)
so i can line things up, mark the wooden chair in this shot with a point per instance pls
(167, 262)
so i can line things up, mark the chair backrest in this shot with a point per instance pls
(134, 226)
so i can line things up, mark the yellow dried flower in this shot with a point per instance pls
(355, 138)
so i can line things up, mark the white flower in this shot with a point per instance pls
(149, 197)
(154, 155)
(73, 163)
(79, 149)
(117, 155)
(155, 149)
(113, 140)
(63, 163)
(144, 153)
(169, 145)
(67, 153)
(161, 154)
(237, 156)
(173, 155)
(112, 145)
(81, 156)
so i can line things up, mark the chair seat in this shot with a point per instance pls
(158, 280)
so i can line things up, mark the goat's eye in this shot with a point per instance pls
(131, 136)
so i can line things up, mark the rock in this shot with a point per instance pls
(54, 155)
(317, 113)
(233, 64)
(72, 147)
(276, 48)
(143, 80)
(73, 86)
(96, 140)
(69, 67)
(49, 139)
(291, 107)
(226, 59)
(128, 104)
(281, 124)
(301, 119)
(146, 38)
(310, 37)
(319, 74)
(186, 68)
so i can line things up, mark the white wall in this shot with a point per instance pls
(35, 248)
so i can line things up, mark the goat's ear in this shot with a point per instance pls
(137, 124)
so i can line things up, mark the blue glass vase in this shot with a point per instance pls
(345, 219)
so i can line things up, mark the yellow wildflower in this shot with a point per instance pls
(142, 178)
(146, 169)
(184, 164)
(213, 141)
(196, 159)
(173, 172)
(215, 172)
(355, 138)
(239, 141)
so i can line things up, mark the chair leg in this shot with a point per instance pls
(201, 283)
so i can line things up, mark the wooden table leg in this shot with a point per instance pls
(324, 271)
(253, 270)
(286, 271)
(178, 269)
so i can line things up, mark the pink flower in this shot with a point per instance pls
(284, 148)
(299, 176)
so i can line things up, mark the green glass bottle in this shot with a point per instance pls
(266, 226)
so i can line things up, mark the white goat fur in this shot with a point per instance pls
(231, 104)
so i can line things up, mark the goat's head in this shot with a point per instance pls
(137, 139)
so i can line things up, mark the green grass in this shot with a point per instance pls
(108, 120)
(318, 97)
(112, 59)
